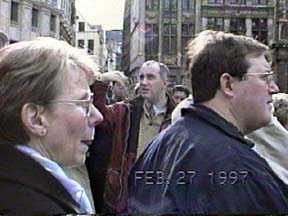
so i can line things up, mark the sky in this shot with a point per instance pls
(108, 13)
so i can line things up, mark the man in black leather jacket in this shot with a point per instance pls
(202, 164)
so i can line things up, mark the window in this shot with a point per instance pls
(169, 45)
(166, 4)
(80, 43)
(169, 39)
(215, 23)
(260, 30)
(238, 2)
(284, 32)
(14, 12)
(53, 23)
(152, 4)
(170, 9)
(63, 4)
(35, 17)
(215, 1)
(187, 29)
(54, 3)
(187, 33)
(81, 27)
(259, 2)
(238, 26)
(90, 47)
(187, 5)
(151, 41)
(170, 5)
(169, 29)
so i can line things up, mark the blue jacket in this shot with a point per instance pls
(202, 164)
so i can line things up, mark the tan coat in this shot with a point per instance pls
(271, 142)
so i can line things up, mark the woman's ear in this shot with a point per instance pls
(34, 120)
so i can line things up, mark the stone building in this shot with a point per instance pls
(280, 44)
(125, 63)
(91, 38)
(28, 19)
(67, 21)
(160, 29)
(114, 49)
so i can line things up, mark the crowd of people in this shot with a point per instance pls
(74, 141)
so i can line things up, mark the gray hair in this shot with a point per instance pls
(280, 102)
(163, 69)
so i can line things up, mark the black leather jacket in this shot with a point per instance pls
(203, 165)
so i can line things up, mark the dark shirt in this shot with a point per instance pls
(203, 164)
(28, 189)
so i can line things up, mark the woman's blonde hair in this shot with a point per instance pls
(33, 72)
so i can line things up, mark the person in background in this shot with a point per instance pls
(203, 164)
(271, 141)
(280, 102)
(47, 121)
(136, 89)
(125, 132)
(176, 114)
(179, 93)
(119, 93)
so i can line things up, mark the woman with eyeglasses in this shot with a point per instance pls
(47, 122)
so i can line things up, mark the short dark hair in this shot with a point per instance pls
(181, 88)
(163, 69)
(213, 53)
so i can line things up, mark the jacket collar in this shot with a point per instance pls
(18, 167)
(170, 107)
(138, 104)
(217, 121)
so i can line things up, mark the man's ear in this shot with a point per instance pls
(165, 82)
(227, 84)
(34, 120)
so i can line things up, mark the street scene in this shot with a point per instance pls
(149, 107)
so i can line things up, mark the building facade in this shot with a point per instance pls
(28, 19)
(125, 63)
(161, 29)
(114, 49)
(280, 44)
(91, 39)
(67, 21)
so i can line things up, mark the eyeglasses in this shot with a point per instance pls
(268, 77)
(86, 103)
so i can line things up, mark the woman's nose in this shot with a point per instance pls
(96, 117)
